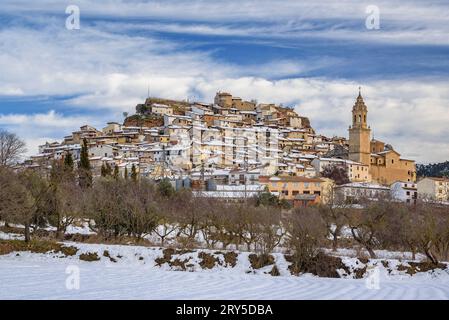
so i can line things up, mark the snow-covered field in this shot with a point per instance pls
(135, 276)
(34, 279)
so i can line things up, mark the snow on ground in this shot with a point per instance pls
(134, 276)
(11, 236)
(30, 279)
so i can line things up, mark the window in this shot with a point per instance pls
(306, 185)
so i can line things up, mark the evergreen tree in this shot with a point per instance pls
(106, 170)
(133, 173)
(126, 173)
(116, 172)
(66, 167)
(84, 169)
(103, 170)
(165, 188)
(68, 162)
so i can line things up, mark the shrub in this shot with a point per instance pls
(275, 271)
(230, 258)
(34, 246)
(321, 265)
(90, 256)
(260, 261)
(69, 251)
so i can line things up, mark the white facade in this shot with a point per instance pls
(404, 191)
(434, 189)
(356, 190)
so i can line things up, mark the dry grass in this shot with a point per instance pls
(35, 246)
(90, 256)
(260, 261)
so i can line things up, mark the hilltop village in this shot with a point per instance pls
(233, 148)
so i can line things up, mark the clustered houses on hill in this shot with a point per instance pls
(233, 148)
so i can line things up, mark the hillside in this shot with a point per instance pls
(433, 169)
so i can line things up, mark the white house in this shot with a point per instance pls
(434, 189)
(362, 190)
(161, 109)
(357, 172)
(404, 191)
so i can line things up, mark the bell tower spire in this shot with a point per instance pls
(359, 132)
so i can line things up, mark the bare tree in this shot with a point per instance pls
(63, 200)
(332, 212)
(22, 197)
(306, 234)
(141, 208)
(338, 173)
(272, 229)
(431, 231)
(16, 202)
(367, 222)
(11, 148)
(166, 224)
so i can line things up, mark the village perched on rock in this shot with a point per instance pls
(235, 149)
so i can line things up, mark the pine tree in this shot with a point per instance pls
(103, 170)
(68, 162)
(134, 173)
(84, 169)
(126, 173)
(116, 172)
(108, 169)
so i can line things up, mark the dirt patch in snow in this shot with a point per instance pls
(89, 256)
(35, 246)
(261, 260)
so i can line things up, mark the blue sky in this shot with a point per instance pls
(308, 54)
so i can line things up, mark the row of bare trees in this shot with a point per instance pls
(118, 208)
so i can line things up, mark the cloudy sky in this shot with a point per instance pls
(312, 55)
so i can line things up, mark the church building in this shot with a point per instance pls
(385, 164)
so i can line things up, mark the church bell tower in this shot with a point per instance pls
(359, 133)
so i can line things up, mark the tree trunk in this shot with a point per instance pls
(334, 243)
(27, 232)
(371, 252)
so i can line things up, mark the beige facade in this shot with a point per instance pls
(434, 188)
(385, 164)
(387, 167)
(359, 133)
(291, 188)
(161, 109)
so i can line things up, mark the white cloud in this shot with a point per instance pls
(108, 72)
(38, 128)
(407, 22)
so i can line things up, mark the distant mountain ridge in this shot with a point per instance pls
(433, 169)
